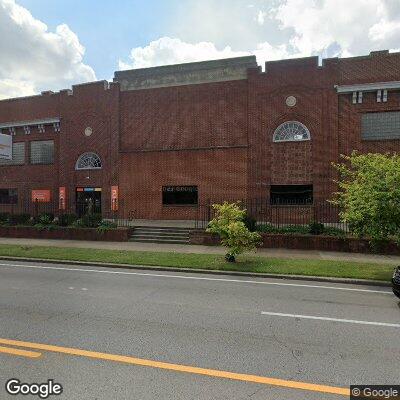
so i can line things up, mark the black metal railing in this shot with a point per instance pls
(262, 213)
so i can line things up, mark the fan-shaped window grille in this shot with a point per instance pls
(291, 131)
(88, 161)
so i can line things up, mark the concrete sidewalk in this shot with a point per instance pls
(177, 248)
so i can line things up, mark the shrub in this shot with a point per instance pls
(4, 218)
(88, 221)
(67, 219)
(316, 228)
(19, 219)
(91, 220)
(229, 225)
(288, 229)
(44, 219)
(45, 227)
(333, 231)
(369, 195)
(106, 226)
(250, 222)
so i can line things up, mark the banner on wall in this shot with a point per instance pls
(114, 198)
(5, 147)
(41, 195)
(62, 198)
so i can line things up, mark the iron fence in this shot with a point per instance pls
(263, 214)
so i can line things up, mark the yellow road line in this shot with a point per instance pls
(19, 352)
(181, 368)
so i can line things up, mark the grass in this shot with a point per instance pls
(246, 263)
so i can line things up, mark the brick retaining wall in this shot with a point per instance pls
(302, 242)
(112, 235)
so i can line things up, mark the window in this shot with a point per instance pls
(291, 194)
(8, 196)
(180, 195)
(380, 125)
(42, 152)
(291, 131)
(88, 161)
(18, 155)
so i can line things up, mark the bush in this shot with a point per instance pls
(67, 219)
(106, 226)
(333, 231)
(288, 229)
(19, 219)
(91, 220)
(46, 226)
(369, 195)
(44, 219)
(88, 221)
(316, 228)
(229, 225)
(4, 218)
(250, 222)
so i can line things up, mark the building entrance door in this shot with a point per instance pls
(88, 201)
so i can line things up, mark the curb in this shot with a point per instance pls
(349, 281)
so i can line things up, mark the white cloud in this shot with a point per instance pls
(274, 29)
(166, 50)
(34, 59)
(352, 28)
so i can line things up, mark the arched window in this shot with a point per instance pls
(291, 131)
(88, 161)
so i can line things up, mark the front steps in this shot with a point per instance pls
(152, 234)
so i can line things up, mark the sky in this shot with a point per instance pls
(53, 44)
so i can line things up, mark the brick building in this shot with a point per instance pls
(157, 142)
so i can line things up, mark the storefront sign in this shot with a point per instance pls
(62, 198)
(5, 147)
(41, 195)
(114, 198)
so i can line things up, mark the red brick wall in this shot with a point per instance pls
(305, 162)
(219, 174)
(217, 135)
(193, 116)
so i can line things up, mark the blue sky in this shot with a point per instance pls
(107, 29)
(53, 44)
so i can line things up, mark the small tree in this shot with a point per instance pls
(369, 195)
(230, 226)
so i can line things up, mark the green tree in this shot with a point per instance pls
(229, 224)
(369, 195)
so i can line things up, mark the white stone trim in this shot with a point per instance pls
(36, 122)
(368, 87)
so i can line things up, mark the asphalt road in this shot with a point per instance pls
(168, 324)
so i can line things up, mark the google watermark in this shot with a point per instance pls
(42, 390)
(375, 392)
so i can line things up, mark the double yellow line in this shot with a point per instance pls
(166, 366)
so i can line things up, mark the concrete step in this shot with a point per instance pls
(152, 240)
(150, 234)
(158, 234)
(163, 228)
(156, 237)
(161, 231)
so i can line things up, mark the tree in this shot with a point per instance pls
(369, 195)
(230, 226)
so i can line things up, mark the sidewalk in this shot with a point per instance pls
(177, 248)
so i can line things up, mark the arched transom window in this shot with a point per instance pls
(88, 161)
(291, 131)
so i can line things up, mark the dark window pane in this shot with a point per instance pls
(8, 196)
(42, 152)
(180, 195)
(291, 194)
(381, 125)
